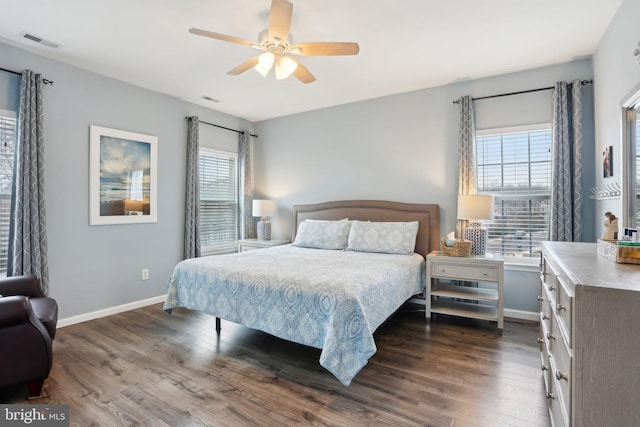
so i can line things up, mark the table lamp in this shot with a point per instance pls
(476, 207)
(264, 209)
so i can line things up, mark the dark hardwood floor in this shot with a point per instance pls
(144, 367)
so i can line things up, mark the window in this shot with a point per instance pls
(7, 147)
(514, 165)
(218, 201)
(637, 155)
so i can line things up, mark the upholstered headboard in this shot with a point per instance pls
(427, 215)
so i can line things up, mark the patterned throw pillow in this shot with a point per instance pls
(383, 237)
(323, 234)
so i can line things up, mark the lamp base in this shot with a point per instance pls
(264, 229)
(478, 237)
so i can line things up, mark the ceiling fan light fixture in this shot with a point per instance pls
(265, 62)
(285, 66)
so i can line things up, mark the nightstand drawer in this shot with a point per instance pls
(464, 272)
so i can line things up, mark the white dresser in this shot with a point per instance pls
(589, 336)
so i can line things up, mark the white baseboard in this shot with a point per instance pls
(109, 311)
(508, 312)
(521, 314)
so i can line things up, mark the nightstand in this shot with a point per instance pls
(251, 244)
(446, 296)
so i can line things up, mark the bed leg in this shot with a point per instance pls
(217, 324)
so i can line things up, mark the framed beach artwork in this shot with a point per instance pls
(123, 177)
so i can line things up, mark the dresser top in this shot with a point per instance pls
(583, 265)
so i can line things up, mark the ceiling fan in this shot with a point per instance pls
(278, 49)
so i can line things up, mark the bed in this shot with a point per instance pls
(315, 292)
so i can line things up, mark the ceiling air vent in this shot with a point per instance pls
(40, 40)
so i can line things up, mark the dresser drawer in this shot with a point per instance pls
(560, 362)
(545, 365)
(564, 309)
(549, 278)
(559, 418)
(464, 272)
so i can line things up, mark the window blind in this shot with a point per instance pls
(7, 148)
(218, 201)
(515, 167)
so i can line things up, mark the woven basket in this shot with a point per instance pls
(620, 254)
(459, 248)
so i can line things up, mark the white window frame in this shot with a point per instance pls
(520, 263)
(5, 205)
(232, 246)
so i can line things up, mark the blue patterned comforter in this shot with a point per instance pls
(329, 299)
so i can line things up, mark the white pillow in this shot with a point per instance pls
(321, 234)
(383, 237)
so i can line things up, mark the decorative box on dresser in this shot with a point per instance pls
(589, 336)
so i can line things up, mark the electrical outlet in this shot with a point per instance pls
(145, 274)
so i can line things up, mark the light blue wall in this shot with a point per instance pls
(404, 148)
(616, 73)
(401, 147)
(96, 267)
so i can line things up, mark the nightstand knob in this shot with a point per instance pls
(550, 396)
(544, 368)
(561, 376)
(551, 288)
(550, 336)
(545, 317)
(540, 298)
(540, 340)
(560, 307)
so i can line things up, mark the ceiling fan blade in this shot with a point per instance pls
(325, 49)
(219, 36)
(302, 73)
(280, 19)
(246, 65)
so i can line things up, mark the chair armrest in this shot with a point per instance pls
(13, 311)
(28, 286)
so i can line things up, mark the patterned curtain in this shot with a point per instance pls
(467, 176)
(28, 231)
(566, 167)
(245, 188)
(192, 201)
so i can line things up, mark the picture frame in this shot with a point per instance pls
(123, 170)
(607, 162)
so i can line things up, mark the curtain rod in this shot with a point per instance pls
(457, 101)
(45, 81)
(222, 127)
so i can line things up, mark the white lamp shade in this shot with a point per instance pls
(475, 206)
(284, 67)
(264, 208)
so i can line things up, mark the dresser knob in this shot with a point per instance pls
(540, 340)
(550, 396)
(540, 299)
(560, 307)
(551, 288)
(545, 317)
(544, 368)
(550, 336)
(561, 376)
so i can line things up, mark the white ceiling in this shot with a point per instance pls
(405, 45)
